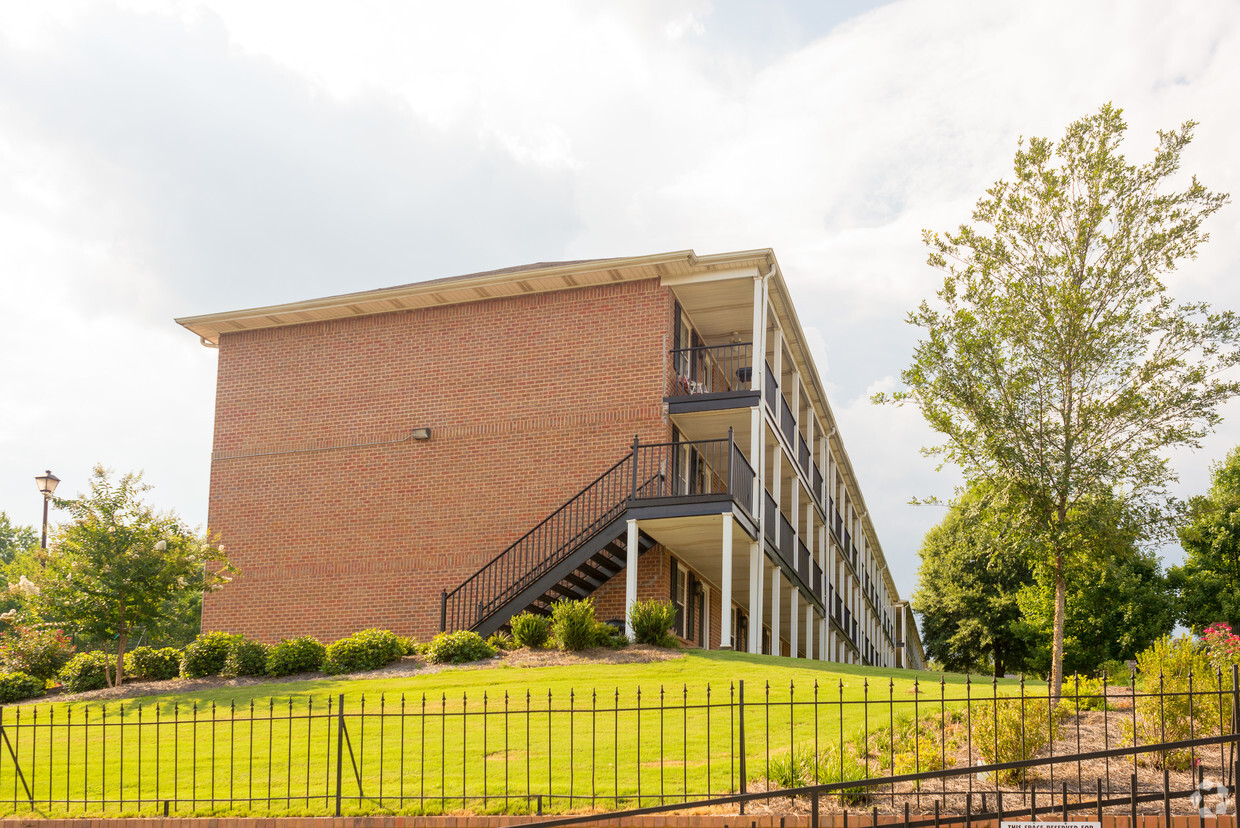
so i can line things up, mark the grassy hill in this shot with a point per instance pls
(490, 739)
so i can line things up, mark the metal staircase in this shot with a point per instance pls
(569, 555)
(582, 544)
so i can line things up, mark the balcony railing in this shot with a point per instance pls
(803, 565)
(818, 492)
(785, 541)
(769, 521)
(693, 468)
(772, 389)
(711, 369)
(787, 422)
(817, 584)
(803, 454)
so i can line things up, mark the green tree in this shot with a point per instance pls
(968, 583)
(1054, 364)
(1116, 607)
(1208, 582)
(119, 565)
(15, 539)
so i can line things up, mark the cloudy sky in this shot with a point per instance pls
(170, 159)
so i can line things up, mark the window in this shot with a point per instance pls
(680, 598)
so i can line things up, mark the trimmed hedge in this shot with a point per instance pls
(295, 655)
(365, 650)
(85, 671)
(19, 686)
(153, 665)
(245, 658)
(458, 648)
(206, 655)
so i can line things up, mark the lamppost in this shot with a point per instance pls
(47, 485)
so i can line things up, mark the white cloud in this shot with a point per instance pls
(169, 158)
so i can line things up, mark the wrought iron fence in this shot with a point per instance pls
(970, 748)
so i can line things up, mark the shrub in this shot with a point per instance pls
(365, 650)
(408, 646)
(835, 766)
(530, 629)
(605, 635)
(501, 640)
(927, 743)
(1014, 730)
(652, 622)
(34, 651)
(1116, 673)
(206, 655)
(85, 671)
(1165, 711)
(1222, 646)
(801, 766)
(18, 686)
(458, 648)
(572, 624)
(149, 663)
(1084, 693)
(245, 658)
(295, 655)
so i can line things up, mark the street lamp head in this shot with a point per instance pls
(47, 483)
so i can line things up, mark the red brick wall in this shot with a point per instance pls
(528, 400)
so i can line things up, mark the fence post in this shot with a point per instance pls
(443, 611)
(1235, 729)
(339, 751)
(740, 716)
(813, 809)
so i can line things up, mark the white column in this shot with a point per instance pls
(775, 610)
(794, 619)
(759, 335)
(809, 630)
(725, 588)
(630, 578)
(756, 567)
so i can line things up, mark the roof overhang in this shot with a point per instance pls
(494, 284)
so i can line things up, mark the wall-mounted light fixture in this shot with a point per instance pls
(421, 434)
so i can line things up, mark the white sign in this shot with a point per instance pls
(1006, 824)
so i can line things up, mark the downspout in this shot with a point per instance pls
(208, 344)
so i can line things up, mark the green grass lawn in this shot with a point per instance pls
(487, 740)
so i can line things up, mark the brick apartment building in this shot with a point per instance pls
(448, 453)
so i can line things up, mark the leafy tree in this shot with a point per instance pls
(968, 583)
(15, 539)
(1117, 606)
(118, 565)
(1054, 364)
(1208, 582)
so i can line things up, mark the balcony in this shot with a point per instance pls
(711, 377)
(696, 472)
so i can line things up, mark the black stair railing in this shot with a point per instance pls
(539, 549)
(648, 471)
